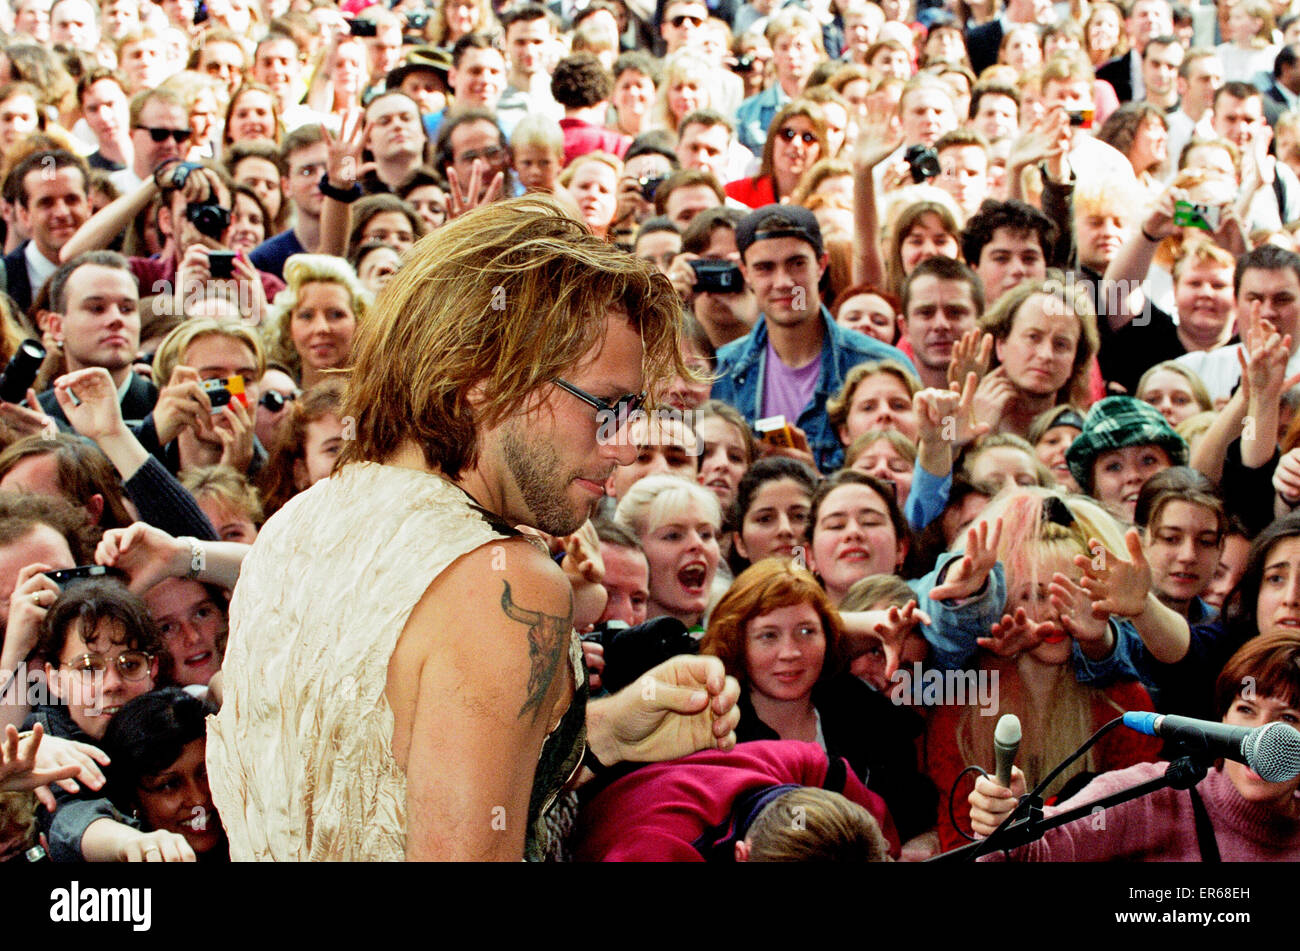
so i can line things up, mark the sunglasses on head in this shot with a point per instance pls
(789, 135)
(161, 135)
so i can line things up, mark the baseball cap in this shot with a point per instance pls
(778, 221)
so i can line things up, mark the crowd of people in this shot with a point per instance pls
(927, 341)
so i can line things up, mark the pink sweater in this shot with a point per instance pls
(1160, 827)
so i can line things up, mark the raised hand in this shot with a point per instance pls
(970, 574)
(1017, 633)
(972, 353)
(994, 393)
(233, 425)
(1074, 606)
(21, 771)
(145, 553)
(1286, 477)
(475, 192)
(343, 163)
(181, 404)
(88, 399)
(29, 420)
(1116, 586)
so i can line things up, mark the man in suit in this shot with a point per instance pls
(982, 41)
(1282, 89)
(52, 203)
(1146, 19)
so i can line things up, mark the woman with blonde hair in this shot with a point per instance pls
(1042, 533)
(796, 139)
(1174, 390)
(1103, 33)
(315, 317)
(686, 87)
(591, 180)
(876, 394)
(456, 18)
(1249, 49)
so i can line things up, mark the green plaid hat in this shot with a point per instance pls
(1116, 422)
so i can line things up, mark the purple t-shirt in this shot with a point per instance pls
(787, 390)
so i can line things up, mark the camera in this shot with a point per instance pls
(63, 575)
(221, 263)
(20, 374)
(649, 185)
(1081, 117)
(417, 19)
(923, 161)
(222, 391)
(363, 28)
(745, 64)
(717, 277)
(631, 651)
(210, 218)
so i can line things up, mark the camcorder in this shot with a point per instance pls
(717, 277)
(923, 162)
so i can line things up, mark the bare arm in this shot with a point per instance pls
(344, 169)
(1210, 450)
(478, 706)
(109, 222)
(875, 144)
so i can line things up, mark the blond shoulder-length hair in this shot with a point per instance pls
(506, 299)
(300, 270)
(171, 352)
(999, 319)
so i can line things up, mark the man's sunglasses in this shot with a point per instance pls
(789, 135)
(692, 20)
(161, 135)
(619, 410)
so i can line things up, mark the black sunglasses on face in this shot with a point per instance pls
(789, 135)
(620, 409)
(161, 135)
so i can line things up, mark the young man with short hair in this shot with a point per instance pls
(796, 357)
(304, 154)
(53, 189)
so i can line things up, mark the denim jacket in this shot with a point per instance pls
(755, 114)
(742, 369)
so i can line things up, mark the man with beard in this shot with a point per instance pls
(478, 397)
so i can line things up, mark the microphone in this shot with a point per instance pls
(1272, 750)
(1006, 743)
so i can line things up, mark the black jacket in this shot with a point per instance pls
(876, 737)
(17, 284)
(1118, 72)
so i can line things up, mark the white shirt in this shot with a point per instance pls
(39, 267)
(1220, 371)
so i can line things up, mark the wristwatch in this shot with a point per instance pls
(345, 195)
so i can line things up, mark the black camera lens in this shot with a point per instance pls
(275, 401)
(211, 219)
(923, 161)
(21, 372)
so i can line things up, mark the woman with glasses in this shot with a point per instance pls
(795, 141)
(101, 650)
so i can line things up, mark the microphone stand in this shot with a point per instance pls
(1183, 773)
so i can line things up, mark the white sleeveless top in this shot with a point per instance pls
(300, 757)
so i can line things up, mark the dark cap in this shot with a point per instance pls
(779, 221)
(429, 59)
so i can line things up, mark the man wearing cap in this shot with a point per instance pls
(796, 357)
(422, 75)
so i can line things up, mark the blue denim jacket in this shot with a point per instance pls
(742, 369)
(755, 114)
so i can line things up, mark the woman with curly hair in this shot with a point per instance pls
(309, 440)
(315, 317)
